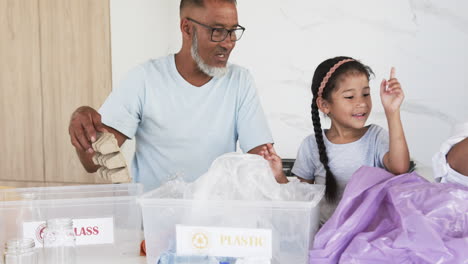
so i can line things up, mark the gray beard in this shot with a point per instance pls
(205, 68)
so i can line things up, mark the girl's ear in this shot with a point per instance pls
(323, 105)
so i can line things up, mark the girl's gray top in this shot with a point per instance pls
(344, 160)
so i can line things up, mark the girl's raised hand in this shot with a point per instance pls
(391, 93)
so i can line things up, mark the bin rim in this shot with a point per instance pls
(138, 186)
(56, 190)
(149, 202)
(148, 199)
(71, 202)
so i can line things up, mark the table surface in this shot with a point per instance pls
(116, 260)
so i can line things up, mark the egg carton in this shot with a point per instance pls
(108, 155)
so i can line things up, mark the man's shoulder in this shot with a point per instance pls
(152, 64)
(237, 67)
(149, 69)
(140, 74)
(237, 70)
(156, 63)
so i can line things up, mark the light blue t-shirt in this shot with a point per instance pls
(343, 160)
(180, 128)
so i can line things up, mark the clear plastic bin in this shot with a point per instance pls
(107, 218)
(292, 224)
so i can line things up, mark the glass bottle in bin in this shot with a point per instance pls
(59, 241)
(21, 251)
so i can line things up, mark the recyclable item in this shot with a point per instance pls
(107, 155)
(236, 176)
(383, 218)
(59, 241)
(117, 175)
(110, 161)
(172, 258)
(21, 251)
(106, 143)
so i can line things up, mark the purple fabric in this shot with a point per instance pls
(395, 219)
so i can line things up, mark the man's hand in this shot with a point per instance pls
(269, 153)
(84, 124)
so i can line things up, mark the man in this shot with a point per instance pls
(185, 109)
(450, 164)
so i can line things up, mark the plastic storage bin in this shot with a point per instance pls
(292, 226)
(107, 218)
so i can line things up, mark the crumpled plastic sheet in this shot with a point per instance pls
(395, 219)
(236, 176)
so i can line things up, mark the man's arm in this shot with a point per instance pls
(268, 152)
(84, 125)
(258, 149)
(457, 157)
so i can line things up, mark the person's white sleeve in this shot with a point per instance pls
(304, 166)
(441, 169)
(252, 126)
(123, 108)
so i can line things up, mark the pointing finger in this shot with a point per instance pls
(392, 73)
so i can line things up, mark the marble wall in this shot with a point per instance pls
(426, 40)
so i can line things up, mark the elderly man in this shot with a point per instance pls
(185, 109)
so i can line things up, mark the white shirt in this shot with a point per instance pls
(442, 170)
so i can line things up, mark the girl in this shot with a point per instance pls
(340, 89)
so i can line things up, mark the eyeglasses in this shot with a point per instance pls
(219, 34)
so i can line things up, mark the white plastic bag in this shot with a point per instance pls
(235, 176)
